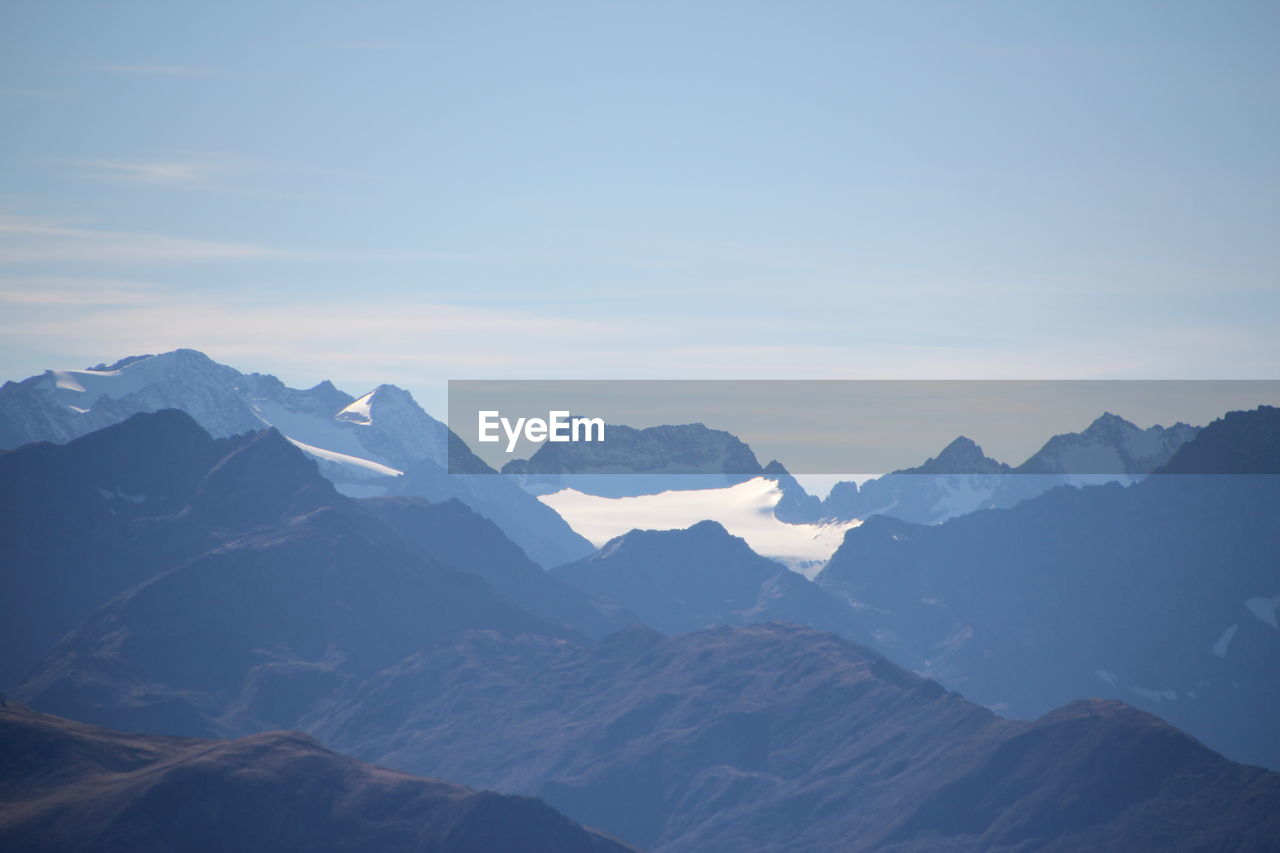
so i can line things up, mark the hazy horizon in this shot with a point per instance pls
(411, 193)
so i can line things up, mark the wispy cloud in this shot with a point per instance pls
(50, 291)
(365, 45)
(162, 70)
(27, 240)
(180, 173)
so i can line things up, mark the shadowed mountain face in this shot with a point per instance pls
(68, 786)
(83, 522)
(531, 524)
(684, 580)
(779, 738)
(1164, 593)
(453, 534)
(362, 444)
(222, 585)
(247, 636)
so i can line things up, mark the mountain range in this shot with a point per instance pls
(673, 689)
(379, 443)
(1163, 593)
(780, 738)
(962, 478)
(959, 480)
(207, 586)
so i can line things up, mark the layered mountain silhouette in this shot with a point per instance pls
(962, 478)
(1163, 593)
(163, 580)
(684, 580)
(69, 786)
(959, 480)
(780, 738)
(207, 586)
(376, 444)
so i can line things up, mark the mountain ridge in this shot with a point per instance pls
(1174, 575)
(70, 786)
(776, 737)
(364, 445)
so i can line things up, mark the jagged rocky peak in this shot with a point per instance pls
(1109, 445)
(775, 469)
(391, 424)
(1111, 428)
(263, 389)
(124, 362)
(963, 451)
(962, 456)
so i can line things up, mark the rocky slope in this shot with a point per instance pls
(205, 585)
(780, 738)
(69, 786)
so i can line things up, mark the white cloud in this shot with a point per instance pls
(155, 172)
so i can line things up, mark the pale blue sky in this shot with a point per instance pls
(421, 191)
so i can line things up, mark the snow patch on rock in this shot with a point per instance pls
(1265, 609)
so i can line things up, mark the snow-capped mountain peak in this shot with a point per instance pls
(378, 443)
(370, 438)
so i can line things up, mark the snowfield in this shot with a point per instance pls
(354, 464)
(744, 510)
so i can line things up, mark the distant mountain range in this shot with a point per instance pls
(383, 443)
(962, 479)
(957, 481)
(195, 581)
(1164, 594)
(68, 786)
(364, 445)
(162, 579)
